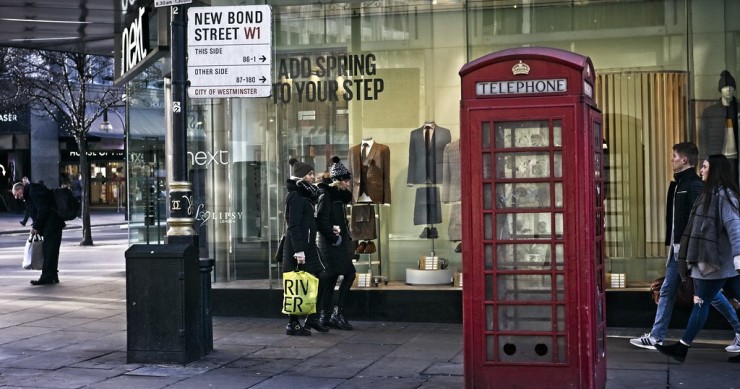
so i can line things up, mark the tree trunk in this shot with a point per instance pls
(85, 173)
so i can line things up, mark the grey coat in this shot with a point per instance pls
(712, 238)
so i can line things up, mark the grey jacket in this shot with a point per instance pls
(712, 238)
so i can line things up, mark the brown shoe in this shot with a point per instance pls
(370, 248)
(361, 248)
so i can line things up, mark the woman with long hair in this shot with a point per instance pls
(710, 247)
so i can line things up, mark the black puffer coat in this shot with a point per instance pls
(330, 212)
(301, 232)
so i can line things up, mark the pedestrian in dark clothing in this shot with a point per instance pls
(710, 248)
(26, 214)
(40, 203)
(300, 239)
(334, 242)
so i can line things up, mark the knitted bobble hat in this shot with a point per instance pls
(726, 79)
(299, 169)
(339, 172)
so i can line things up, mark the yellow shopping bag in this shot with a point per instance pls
(300, 290)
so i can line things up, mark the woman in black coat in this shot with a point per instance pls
(334, 242)
(300, 239)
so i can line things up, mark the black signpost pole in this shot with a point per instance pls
(181, 210)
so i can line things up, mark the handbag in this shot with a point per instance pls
(684, 294)
(279, 252)
(33, 255)
(300, 290)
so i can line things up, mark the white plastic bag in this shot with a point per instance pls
(33, 255)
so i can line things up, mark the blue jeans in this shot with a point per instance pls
(705, 289)
(668, 298)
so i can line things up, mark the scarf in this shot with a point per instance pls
(699, 240)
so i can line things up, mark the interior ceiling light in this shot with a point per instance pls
(43, 21)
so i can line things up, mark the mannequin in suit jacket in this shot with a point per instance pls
(376, 179)
(425, 163)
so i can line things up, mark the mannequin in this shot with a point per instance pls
(370, 184)
(718, 125)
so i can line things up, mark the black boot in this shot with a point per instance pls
(337, 320)
(676, 351)
(313, 322)
(324, 318)
(294, 328)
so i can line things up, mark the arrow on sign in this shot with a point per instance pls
(263, 79)
(263, 58)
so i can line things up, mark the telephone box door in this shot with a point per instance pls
(533, 239)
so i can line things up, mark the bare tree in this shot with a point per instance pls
(74, 89)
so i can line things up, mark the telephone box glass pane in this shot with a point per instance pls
(562, 350)
(534, 133)
(560, 318)
(535, 195)
(560, 286)
(489, 317)
(487, 197)
(525, 317)
(490, 351)
(523, 256)
(486, 166)
(486, 135)
(559, 257)
(524, 287)
(557, 130)
(559, 225)
(522, 165)
(598, 147)
(488, 256)
(489, 287)
(487, 226)
(557, 169)
(558, 195)
(522, 348)
(523, 226)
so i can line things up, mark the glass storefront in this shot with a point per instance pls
(346, 72)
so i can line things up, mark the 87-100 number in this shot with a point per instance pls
(240, 80)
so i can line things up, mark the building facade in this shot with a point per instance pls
(346, 72)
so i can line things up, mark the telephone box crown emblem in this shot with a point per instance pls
(520, 68)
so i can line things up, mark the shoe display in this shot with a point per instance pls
(676, 350)
(735, 346)
(433, 234)
(361, 248)
(424, 233)
(646, 341)
(370, 248)
(458, 248)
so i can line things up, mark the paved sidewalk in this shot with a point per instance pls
(73, 335)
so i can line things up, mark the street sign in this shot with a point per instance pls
(167, 3)
(230, 51)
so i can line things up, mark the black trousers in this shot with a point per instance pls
(52, 241)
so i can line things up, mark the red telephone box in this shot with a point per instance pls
(533, 221)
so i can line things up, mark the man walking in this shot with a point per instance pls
(40, 204)
(682, 192)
